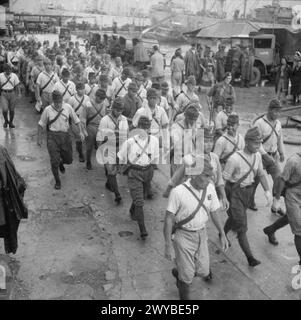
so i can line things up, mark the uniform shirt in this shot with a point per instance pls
(147, 84)
(164, 104)
(109, 125)
(117, 84)
(61, 87)
(132, 149)
(95, 108)
(11, 84)
(12, 57)
(157, 116)
(185, 98)
(75, 102)
(221, 120)
(92, 69)
(62, 123)
(44, 78)
(200, 122)
(274, 143)
(217, 178)
(224, 147)
(90, 90)
(115, 72)
(236, 167)
(292, 174)
(182, 203)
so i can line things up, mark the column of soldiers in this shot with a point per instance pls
(134, 124)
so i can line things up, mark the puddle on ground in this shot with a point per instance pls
(123, 234)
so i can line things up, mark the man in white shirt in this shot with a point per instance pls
(9, 82)
(140, 151)
(65, 86)
(120, 84)
(189, 206)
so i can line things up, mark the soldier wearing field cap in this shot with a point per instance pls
(92, 115)
(142, 92)
(230, 141)
(140, 152)
(65, 86)
(188, 210)
(9, 83)
(112, 132)
(45, 84)
(131, 102)
(272, 150)
(55, 118)
(222, 116)
(240, 172)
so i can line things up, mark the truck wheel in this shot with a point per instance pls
(256, 76)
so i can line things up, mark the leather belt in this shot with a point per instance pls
(184, 229)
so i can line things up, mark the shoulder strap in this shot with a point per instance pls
(235, 145)
(7, 81)
(273, 131)
(80, 104)
(181, 223)
(143, 149)
(95, 114)
(66, 89)
(54, 119)
(243, 178)
(45, 86)
(122, 86)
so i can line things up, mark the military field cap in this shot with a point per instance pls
(127, 71)
(118, 104)
(65, 72)
(233, 119)
(101, 94)
(103, 78)
(227, 74)
(192, 111)
(91, 75)
(229, 101)
(39, 57)
(57, 96)
(144, 122)
(139, 76)
(156, 85)
(47, 61)
(164, 85)
(97, 61)
(253, 134)
(104, 67)
(275, 104)
(133, 86)
(7, 67)
(80, 86)
(209, 133)
(191, 80)
(152, 93)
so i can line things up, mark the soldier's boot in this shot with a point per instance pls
(88, 157)
(55, 172)
(112, 181)
(270, 230)
(184, 290)
(11, 119)
(5, 116)
(132, 212)
(140, 219)
(298, 246)
(244, 244)
(148, 190)
(79, 149)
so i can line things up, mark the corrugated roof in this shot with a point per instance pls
(226, 29)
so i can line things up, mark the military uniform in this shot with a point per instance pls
(140, 151)
(45, 83)
(67, 90)
(120, 87)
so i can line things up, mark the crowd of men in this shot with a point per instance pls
(136, 122)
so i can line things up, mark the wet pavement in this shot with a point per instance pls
(77, 244)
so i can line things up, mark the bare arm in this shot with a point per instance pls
(167, 230)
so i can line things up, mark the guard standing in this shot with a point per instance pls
(140, 151)
(55, 118)
(112, 130)
(9, 81)
(189, 206)
(240, 172)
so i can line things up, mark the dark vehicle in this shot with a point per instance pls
(64, 35)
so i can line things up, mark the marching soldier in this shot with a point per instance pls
(240, 173)
(92, 115)
(222, 116)
(272, 150)
(147, 82)
(112, 130)
(140, 151)
(189, 206)
(55, 118)
(9, 82)
(79, 102)
(229, 142)
(45, 84)
(120, 84)
(91, 86)
(36, 69)
(65, 86)
(142, 92)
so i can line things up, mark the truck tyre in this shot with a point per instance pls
(256, 76)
